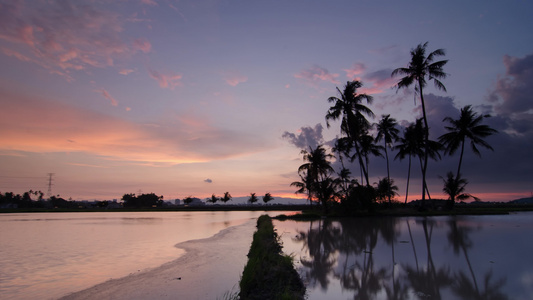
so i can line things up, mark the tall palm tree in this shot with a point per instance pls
(387, 132)
(350, 109)
(369, 147)
(305, 186)
(317, 170)
(420, 68)
(468, 126)
(409, 145)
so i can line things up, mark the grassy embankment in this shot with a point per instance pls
(269, 274)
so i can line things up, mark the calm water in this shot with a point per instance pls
(470, 257)
(47, 255)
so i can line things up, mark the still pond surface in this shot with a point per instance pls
(48, 255)
(466, 257)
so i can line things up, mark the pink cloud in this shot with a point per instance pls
(356, 69)
(166, 80)
(126, 71)
(54, 126)
(149, 2)
(106, 95)
(316, 74)
(142, 45)
(234, 78)
(64, 36)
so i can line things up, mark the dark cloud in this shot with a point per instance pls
(307, 137)
(512, 95)
(208, 180)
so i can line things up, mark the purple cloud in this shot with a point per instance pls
(307, 137)
(317, 74)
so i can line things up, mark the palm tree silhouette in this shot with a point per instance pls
(253, 198)
(408, 146)
(350, 109)
(227, 197)
(387, 132)
(317, 170)
(468, 126)
(412, 144)
(419, 68)
(368, 147)
(304, 186)
(454, 187)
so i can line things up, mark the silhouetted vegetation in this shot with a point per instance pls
(337, 189)
(142, 201)
(269, 274)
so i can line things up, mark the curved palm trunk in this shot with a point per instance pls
(408, 177)
(426, 139)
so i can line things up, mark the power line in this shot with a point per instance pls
(49, 193)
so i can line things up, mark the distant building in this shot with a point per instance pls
(177, 202)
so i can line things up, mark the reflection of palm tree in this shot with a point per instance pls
(466, 127)
(321, 243)
(387, 132)
(419, 68)
(350, 109)
(463, 286)
(429, 281)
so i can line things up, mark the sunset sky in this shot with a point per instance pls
(186, 98)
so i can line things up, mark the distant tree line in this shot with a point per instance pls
(142, 201)
(35, 199)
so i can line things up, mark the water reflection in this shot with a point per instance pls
(404, 258)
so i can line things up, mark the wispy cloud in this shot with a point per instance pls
(233, 78)
(53, 126)
(354, 71)
(126, 71)
(170, 80)
(316, 74)
(65, 36)
(106, 95)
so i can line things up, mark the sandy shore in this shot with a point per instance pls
(210, 268)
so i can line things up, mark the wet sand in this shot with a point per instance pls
(210, 268)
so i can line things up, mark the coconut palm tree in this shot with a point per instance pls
(253, 198)
(317, 170)
(305, 186)
(409, 145)
(412, 145)
(317, 165)
(369, 147)
(421, 67)
(227, 197)
(455, 188)
(386, 189)
(387, 132)
(267, 198)
(350, 109)
(468, 126)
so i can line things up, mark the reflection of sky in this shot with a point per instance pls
(500, 247)
(161, 95)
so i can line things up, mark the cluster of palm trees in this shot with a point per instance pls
(320, 181)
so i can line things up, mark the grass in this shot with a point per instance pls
(269, 274)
